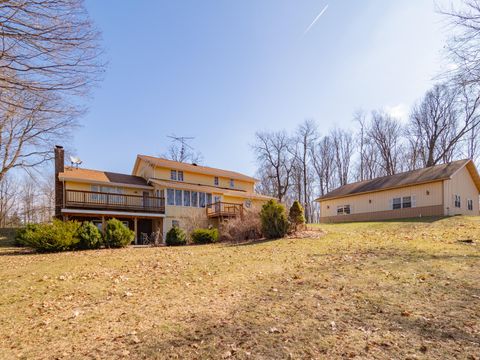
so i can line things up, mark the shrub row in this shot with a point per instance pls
(177, 237)
(72, 235)
(271, 222)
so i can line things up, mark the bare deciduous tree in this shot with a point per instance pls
(48, 57)
(441, 121)
(385, 132)
(272, 150)
(8, 195)
(343, 147)
(464, 43)
(305, 139)
(323, 160)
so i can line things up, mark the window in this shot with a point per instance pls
(170, 197)
(232, 183)
(175, 223)
(194, 199)
(470, 204)
(458, 202)
(173, 174)
(343, 210)
(397, 203)
(215, 181)
(178, 197)
(201, 198)
(180, 175)
(407, 202)
(186, 198)
(209, 199)
(248, 204)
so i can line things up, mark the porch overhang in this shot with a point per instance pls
(111, 213)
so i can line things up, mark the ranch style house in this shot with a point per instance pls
(440, 190)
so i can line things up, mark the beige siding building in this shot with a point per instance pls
(158, 195)
(441, 190)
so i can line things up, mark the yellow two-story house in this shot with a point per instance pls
(158, 195)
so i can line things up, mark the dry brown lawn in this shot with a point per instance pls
(392, 290)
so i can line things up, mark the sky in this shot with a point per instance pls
(219, 71)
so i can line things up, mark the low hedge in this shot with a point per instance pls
(89, 236)
(72, 235)
(117, 235)
(204, 236)
(57, 236)
(176, 237)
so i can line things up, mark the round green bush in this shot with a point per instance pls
(176, 237)
(57, 236)
(204, 236)
(89, 236)
(274, 220)
(117, 235)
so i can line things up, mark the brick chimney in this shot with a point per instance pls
(59, 167)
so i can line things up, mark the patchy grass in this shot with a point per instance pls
(366, 290)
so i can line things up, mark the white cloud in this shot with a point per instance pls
(399, 111)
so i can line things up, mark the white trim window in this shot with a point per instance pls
(209, 200)
(201, 198)
(215, 181)
(178, 197)
(180, 175)
(343, 210)
(407, 202)
(170, 197)
(186, 198)
(194, 202)
(397, 203)
(173, 175)
(458, 201)
(470, 204)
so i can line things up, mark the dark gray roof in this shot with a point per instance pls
(425, 175)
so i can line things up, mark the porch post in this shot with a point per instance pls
(135, 229)
(103, 225)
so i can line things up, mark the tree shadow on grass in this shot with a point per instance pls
(313, 318)
(252, 242)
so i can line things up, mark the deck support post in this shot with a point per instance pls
(103, 225)
(135, 229)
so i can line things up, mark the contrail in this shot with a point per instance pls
(316, 19)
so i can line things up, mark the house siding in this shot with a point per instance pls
(378, 205)
(461, 184)
(163, 173)
(434, 210)
(82, 186)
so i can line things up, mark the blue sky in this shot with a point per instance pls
(222, 70)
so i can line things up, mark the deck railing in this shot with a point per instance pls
(103, 200)
(224, 209)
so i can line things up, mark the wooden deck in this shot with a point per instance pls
(111, 201)
(224, 210)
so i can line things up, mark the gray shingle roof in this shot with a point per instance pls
(425, 175)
